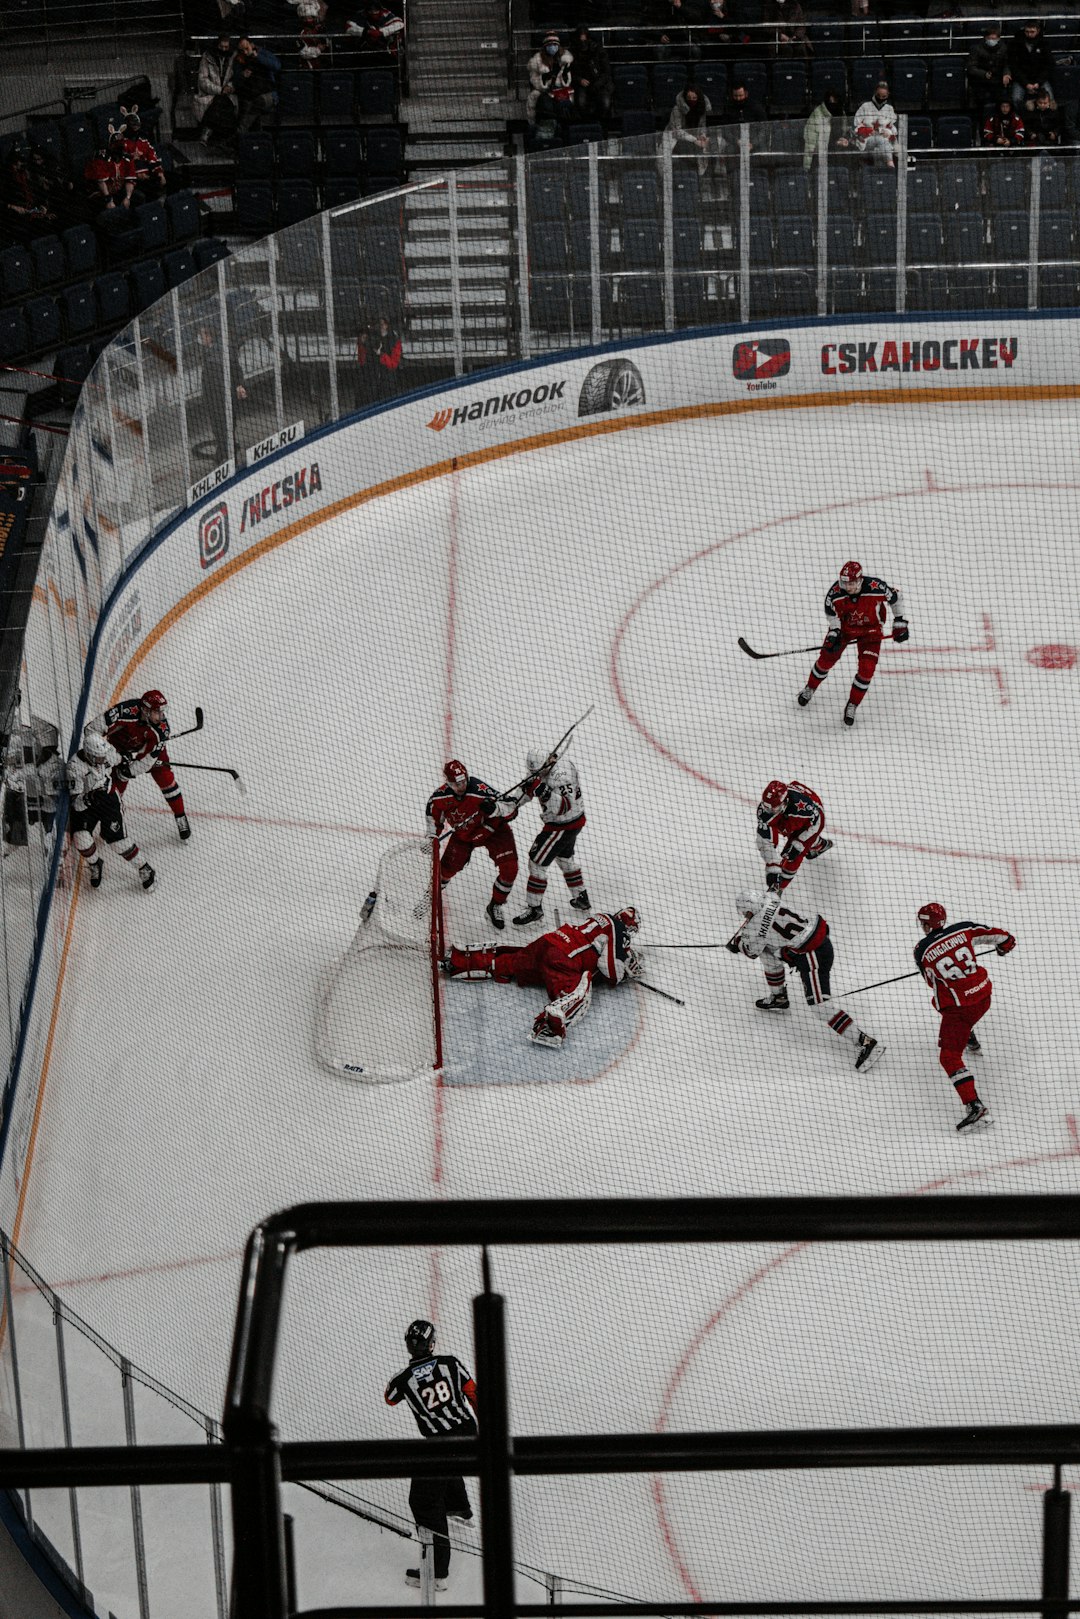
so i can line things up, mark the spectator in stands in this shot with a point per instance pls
(110, 178)
(741, 108)
(687, 129)
(1045, 123)
(210, 439)
(987, 68)
(679, 20)
(550, 75)
(54, 185)
(1004, 126)
(378, 354)
(146, 165)
(26, 210)
(825, 125)
(382, 30)
(875, 128)
(723, 36)
(592, 78)
(254, 80)
(785, 29)
(1030, 64)
(214, 102)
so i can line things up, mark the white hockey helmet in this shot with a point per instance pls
(749, 901)
(94, 745)
(536, 758)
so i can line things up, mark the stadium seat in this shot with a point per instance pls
(711, 79)
(376, 93)
(13, 342)
(686, 246)
(208, 250)
(879, 239)
(178, 266)
(296, 100)
(1053, 183)
(339, 191)
(547, 192)
(640, 192)
(925, 240)
(956, 132)
(793, 191)
(80, 250)
(78, 309)
(635, 303)
(385, 153)
(548, 252)
(637, 123)
(113, 300)
(381, 255)
(296, 201)
(865, 73)
(907, 76)
(153, 221)
(71, 369)
(795, 240)
(47, 253)
(920, 136)
(1011, 288)
(631, 87)
(185, 221)
(1066, 81)
(1058, 288)
(877, 190)
(43, 323)
(47, 138)
(79, 144)
(255, 156)
(761, 244)
(958, 187)
(965, 237)
(147, 284)
(1008, 182)
(296, 154)
(559, 304)
(948, 85)
(685, 194)
(1055, 235)
(342, 153)
(637, 243)
(928, 289)
(335, 98)
(254, 207)
(1010, 235)
(372, 184)
(922, 188)
(788, 89)
(583, 134)
(828, 73)
(668, 79)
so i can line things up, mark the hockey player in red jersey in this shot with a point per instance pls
(138, 730)
(790, 824)
(782, 937)
(476, 818)
(563, 963)
(945, 956)
(855, 608)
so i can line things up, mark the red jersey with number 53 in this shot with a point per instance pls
(946, 959)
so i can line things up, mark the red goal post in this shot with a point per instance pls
(379, 1017)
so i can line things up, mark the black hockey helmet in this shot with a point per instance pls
(419, 1338)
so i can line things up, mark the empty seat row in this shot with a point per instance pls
(76, 252)
(333, 99)
(41, 323)
(261, 207)
(298, 155)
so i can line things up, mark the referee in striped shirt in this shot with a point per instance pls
(441, 1395)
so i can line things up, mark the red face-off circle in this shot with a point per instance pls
(1055, 655)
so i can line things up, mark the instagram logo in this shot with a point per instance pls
(213, 535)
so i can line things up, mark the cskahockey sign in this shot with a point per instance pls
(212, 481)
(919, 354)
(276, 441)
(300, 484)
(546, 397)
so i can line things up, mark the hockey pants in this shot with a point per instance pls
(957, 1024)
(170, 787)
(869, 650)
(430, 1499)
(541, 964)
(814, 968)
(500, 848)
(553, 844)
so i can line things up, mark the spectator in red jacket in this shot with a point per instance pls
(1004, 126)
(382, 30)
(141, 154)
(378, 354)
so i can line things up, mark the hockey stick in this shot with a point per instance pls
(567, 734)
(899, 978)
(191, 728)
(652, 946)
(791, 652)
(654, 989)
(220, 770)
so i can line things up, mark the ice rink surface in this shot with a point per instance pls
(476, 617)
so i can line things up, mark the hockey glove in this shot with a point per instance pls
(733, 945)
(1006, 945)
(633, 962)
(774, 880)
(900, 631)
(833, 640)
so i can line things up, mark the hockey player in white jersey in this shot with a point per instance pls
(781, 937)
(96, 803)
(554, 783)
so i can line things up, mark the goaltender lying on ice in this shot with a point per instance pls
(563, 963)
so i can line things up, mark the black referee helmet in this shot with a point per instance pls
(419, 1338)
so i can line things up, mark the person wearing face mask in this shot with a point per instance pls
(1030, 64)
(875, 128)
(687, 128)
(826, 126)
(592, 78)
(550, 75)
(785, 28)
(214, 102)
(987, 69)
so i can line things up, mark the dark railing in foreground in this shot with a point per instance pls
(255, 1464)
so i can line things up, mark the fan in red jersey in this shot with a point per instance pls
(476, 818)
(790, 823)
(945, 956)
(563, 963)
(855, 608)
(138, 730)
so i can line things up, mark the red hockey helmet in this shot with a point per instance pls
(153, 699)
(455, 774)
(773, 797)
(851, 577)
(629, 918)
(932, 915)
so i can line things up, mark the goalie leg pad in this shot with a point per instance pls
(470, 963)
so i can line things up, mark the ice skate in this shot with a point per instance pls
(849, 714)
(973, 1043)
(581, 902)
(776, 1002)
(183, 826)
(97, 871)
(496, 914)
(412, 1577)
(822, 847)
(147, 874)
(531, 913)
(463, 1514)
(977, 1113)
(870, 1051)
(805, 696)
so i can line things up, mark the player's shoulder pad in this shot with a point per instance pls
(876, 586)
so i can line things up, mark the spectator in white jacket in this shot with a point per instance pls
(549, 75)
(215, 78)
(875, 128)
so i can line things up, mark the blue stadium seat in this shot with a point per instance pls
(925, 240)
(342, 153)
(828, 73)
(948, 84)
(296, 200)
(43, 323)
(1010, 236)
(795, 240)
(788, 89)
(761, 243)
(335, 98)
(922, 188)
(547, 192)
(865, 73)
(636, 123)
(558, 304)
(711, 79)
(793, 191)
(838, 186)
(1011, 288)
(339, 191)
(1066, 81)
(686, 244)
(79, 309)
(385, 153)
(296, 154)
(381, 253)
(254, 203)
(908, 79)
(80, 250)
(47, 138)
(636, 303)
(668, 79)
(637, 245)
(548, 252)
(879, 239)
(1053, 182)
(153, 221)
(79, 144)
(47, 253)
(631, 87)
(178, 266)
(376, 93)
(1058, 288)
(1008, 182)
(920, 135)
(929, 289)
(113, 300)
(147, 284)
(372, 184)
(185, 220)
(640, 192)
(208, 250)
(956, 132)
(583, 134)
(13, 343)
(1055, 235)
(71, 368)
(685, 193)
(958, 186)
(877, 190)
(296, 100)
(255, 156)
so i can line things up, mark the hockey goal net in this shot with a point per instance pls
(380, 1013)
